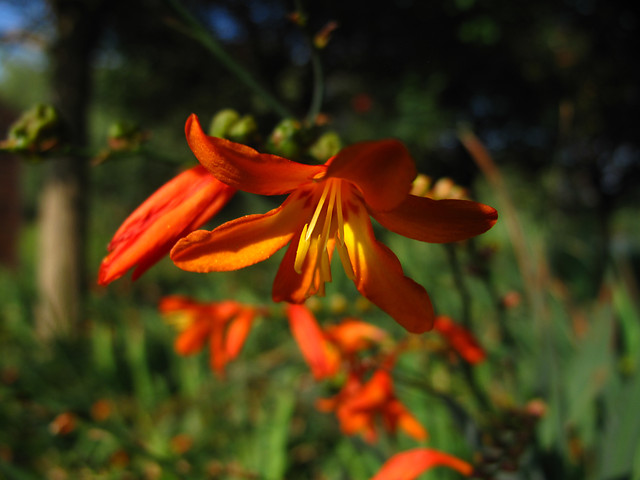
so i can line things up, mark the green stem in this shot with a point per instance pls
(194, 29)
(461, 286)
(318, 86)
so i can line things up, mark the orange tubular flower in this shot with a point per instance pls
(328, 207)
(325, 349)
(319, 354)
(225, 324)
(352, 335)
(412, 463)
(178, 207)
(358, 404)
(460, 339)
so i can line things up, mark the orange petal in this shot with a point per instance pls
(353, 335)
(397, 416)
(238, 331)
(373, 394)
(314, 347)
(178, 207)
(383, 171)
(379, 276)
(240, 242)
(243, 167)
(217, 354)
(192, 339)
(410, 464)
(174, 303)
(461, 340)
(438, 221)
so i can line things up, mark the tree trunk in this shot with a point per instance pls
(63, 201)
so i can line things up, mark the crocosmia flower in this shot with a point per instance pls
(180, 206)
(320, 355)
(411, 464)
(359, 405)
(326, 349)
(225, 325)
(328, 209)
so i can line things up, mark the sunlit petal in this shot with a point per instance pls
(240, 242)
(380, 278)
(438, 221)
(243, 167)
(382, 170)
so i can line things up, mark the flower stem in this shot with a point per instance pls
(318, 86)
(197, 31)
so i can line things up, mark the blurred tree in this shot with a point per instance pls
(63, 200)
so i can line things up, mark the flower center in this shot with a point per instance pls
(326, 223)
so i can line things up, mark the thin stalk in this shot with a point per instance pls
(461, 286)
(318, 86)
(197, 31)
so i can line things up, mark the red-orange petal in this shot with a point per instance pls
(315, 349)
(178, 207)
(461, 339)
(217, 353)
(241, 242)
(382, 170)
(438, 221)
(243, 167)
(353, 335)
(192, 339)
(397, 416)
(379, 276)
(174, 303)
(410, 464)
(238, 331)
(373, 394)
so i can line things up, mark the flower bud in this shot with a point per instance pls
(222, 122)
(328, 145)
(285, 140)
(38, 130)
(228, 124)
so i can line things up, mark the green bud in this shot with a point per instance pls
(37, 130)
(328, 145)
(244, 130)
(285, 140)
(123, 129)
(222, 122)
(126, 136)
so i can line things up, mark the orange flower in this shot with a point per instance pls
(319, 354)
(358, 404)
(328, 207)
(460, 339)
(351, 335)
(178, 207)
(324, 350)
(410, 464)
(225, 324)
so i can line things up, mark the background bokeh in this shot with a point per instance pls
(551, 88)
